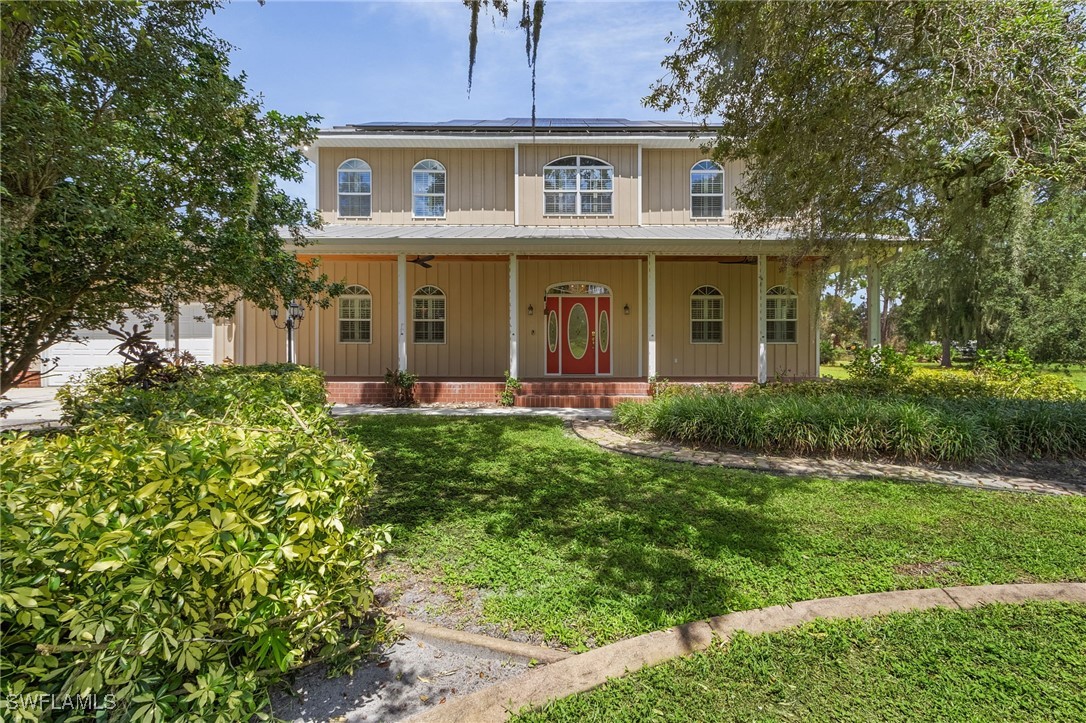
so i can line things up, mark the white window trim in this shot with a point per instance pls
(721, 195)
(578, 190)
(362, 293)
(444, 318)
(690, 309)
(773, 293)
(444, 196)
(339, 194)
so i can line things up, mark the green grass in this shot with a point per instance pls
(1001, 662)
(833, 372)
(586, 547)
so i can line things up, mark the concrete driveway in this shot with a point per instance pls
(33, 407)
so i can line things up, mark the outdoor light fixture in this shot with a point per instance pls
(530, 310)
(626, 309)
(295, 314)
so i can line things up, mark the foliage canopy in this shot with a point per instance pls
(900, 118)
(138, 173)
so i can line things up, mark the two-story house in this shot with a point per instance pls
(586, 256)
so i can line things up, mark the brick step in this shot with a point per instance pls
(577, 401)
(585, 388)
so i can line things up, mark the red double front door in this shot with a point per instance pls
(578, 334)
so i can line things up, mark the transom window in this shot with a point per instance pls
(581, 288)
(428, 305)
(355, 190)
(355, 315)
(578, 186)
(706, 316)
(428, 189)
(781, 307)
(706, 190)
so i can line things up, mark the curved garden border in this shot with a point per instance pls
(610, 438)
(583, 672)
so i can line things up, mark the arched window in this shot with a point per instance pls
(706, 190)
(578, 186)
(355, 191)
(428, 315)
(355, 315)
(781, 307)
(428, 189)
(706, 316)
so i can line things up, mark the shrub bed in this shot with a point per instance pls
(830, 421)
(181, 548)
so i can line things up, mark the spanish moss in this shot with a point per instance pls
(531, 21)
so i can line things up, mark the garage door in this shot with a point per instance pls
(97, 350)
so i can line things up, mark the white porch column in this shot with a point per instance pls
(513, 319)
(316, 336)
(874, 305)
(401, 309)
(763, 373)
(652, 315)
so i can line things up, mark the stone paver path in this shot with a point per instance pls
(609, 437)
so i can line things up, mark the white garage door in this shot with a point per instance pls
(97, 350)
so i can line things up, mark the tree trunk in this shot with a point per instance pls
(946, 351)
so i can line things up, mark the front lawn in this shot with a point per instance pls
(1002, 662)
(551, 535)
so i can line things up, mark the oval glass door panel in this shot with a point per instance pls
(552, 331)
(605, 331)
(577, 331)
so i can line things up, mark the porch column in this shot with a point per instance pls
(652, 315)
(513, 320)
(874, 305)
(763, 374)
(401, 309)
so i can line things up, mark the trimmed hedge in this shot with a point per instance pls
(829, 422)
(181, 548)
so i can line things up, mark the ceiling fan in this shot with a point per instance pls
(746, 260)
(422, 261)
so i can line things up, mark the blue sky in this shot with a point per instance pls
(353, 62)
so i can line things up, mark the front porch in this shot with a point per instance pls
(537, 393)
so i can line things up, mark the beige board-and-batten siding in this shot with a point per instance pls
(678, 357)
(478, 183)
(666, 186)
(620, 275)
(623, 202)
(476, 326)
(477, 319)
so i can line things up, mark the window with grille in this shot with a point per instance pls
(781, 312)
(355, 315)
(428, 314)
(355, 189)
(706, 190)
(578, 186)
(706, 316)
(428, 189)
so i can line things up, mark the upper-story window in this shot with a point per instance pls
(355, 315)
(355, 191)
(706, 190)
(428, 189)
(781, 309)
(706, 315)
(428, 315)
(578, 186)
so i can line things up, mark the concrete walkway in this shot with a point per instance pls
(346, 410)
(583, 672)
(609, 437)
